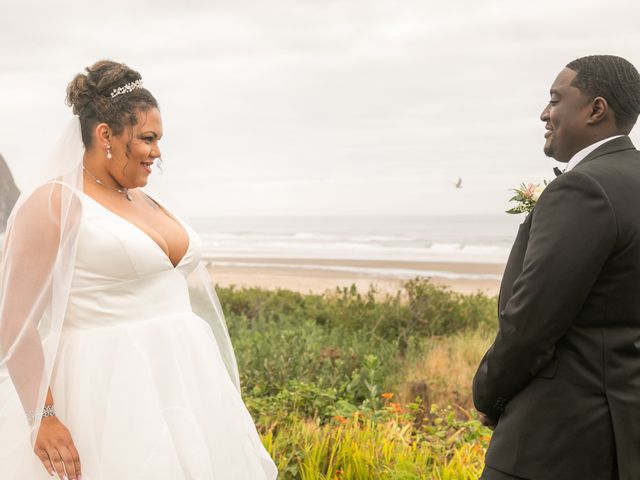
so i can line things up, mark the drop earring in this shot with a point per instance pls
(109, 156)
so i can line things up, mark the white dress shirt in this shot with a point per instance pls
(578, 157)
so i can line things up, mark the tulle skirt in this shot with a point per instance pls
(150, 400)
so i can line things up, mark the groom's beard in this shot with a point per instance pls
(550, 151)
(549, 148)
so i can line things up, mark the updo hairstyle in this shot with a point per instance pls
(90, 96)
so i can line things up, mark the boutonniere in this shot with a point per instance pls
(527, 197)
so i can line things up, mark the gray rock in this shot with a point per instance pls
(9, 193)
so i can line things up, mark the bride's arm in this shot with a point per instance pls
(30, 251)
(30, 309)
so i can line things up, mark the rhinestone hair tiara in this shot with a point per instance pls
(129, 87)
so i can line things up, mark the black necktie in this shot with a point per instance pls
(557, 171)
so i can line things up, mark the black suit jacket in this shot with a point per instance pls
(563, 374)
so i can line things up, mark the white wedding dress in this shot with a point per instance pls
(138, 378)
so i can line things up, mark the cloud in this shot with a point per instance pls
(308, 103)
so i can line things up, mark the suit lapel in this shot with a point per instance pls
(513, 268)
(612, 146)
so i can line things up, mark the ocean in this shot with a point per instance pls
(434, 238)
(465, 239)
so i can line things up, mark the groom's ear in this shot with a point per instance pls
(599, 111)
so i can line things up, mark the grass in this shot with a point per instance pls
(367, 449)
(443, 374)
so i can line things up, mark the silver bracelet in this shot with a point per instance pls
(47, 411)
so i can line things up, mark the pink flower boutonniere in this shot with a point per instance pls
(526, 196)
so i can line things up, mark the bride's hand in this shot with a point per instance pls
(54, 447)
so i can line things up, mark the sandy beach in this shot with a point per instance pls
(320, 275)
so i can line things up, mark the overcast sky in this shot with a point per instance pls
(317, 107)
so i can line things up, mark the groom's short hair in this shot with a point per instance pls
(613, 78)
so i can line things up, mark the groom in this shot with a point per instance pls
(561, 382)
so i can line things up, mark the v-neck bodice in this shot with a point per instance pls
(121, 272)
(180, 223)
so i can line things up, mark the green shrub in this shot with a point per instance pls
(318, 374)
(356, 345)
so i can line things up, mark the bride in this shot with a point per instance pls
(106, 371)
